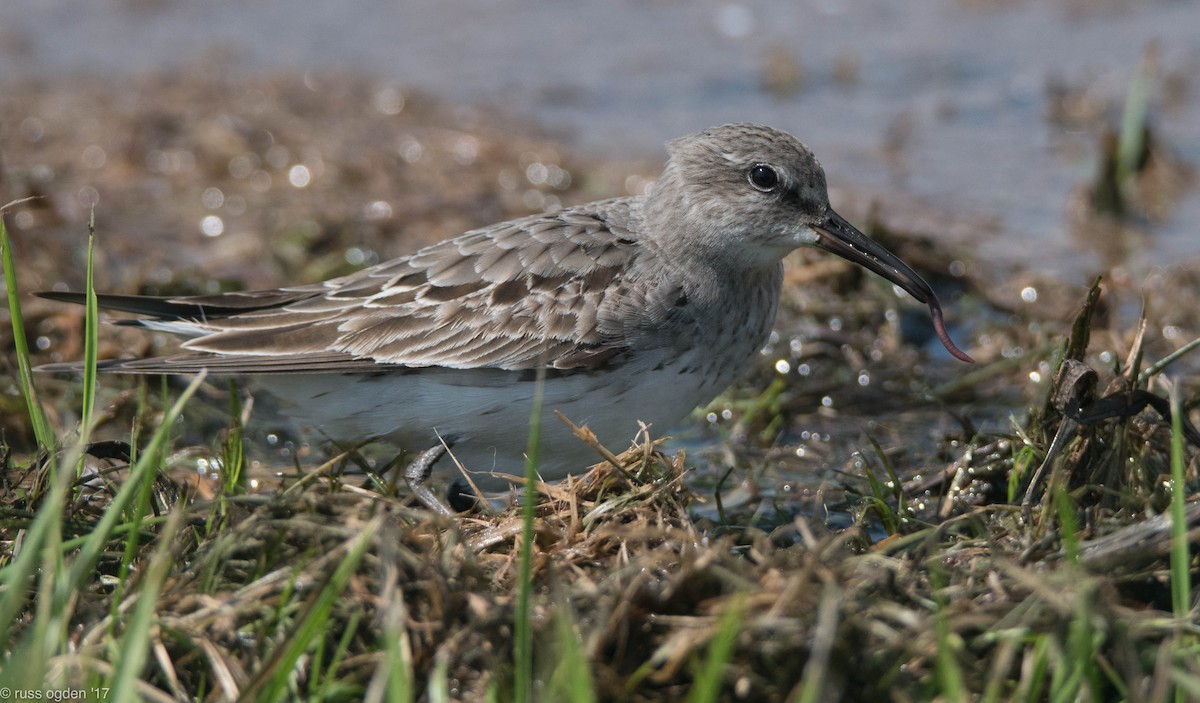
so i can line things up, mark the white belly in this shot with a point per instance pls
(486, 413)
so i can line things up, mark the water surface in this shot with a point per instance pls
(945, 102)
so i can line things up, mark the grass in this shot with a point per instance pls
(1181, 582)
(91, 334)
(710, 671)
(523, 626)
(604, 588)
(37, 416)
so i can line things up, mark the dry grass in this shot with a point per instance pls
(1036, 563)
(1000, 600)
(1073, 600)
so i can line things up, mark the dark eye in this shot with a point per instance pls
(763, 177)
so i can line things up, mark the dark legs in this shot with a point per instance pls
(417, 474)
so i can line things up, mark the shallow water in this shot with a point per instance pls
(945, 102)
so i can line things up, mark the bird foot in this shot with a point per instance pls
(417, 473)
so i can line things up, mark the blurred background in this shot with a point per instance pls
(996, 111)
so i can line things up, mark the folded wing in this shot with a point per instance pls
(520, 295)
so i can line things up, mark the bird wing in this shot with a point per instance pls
(520, 295)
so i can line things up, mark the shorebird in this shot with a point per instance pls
(633, 308)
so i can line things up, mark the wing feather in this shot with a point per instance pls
(518, 296)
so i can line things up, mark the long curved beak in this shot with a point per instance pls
(842, 238)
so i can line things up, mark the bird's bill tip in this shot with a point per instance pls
(838, 236)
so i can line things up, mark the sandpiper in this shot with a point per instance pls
(634, 308)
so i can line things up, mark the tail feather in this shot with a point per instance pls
(237, 365)
(195, 307)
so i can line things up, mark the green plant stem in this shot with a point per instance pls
(523, 626)
(1181, 595)
(37, 417)
(91, 336)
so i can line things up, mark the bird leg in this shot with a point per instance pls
(417, 473)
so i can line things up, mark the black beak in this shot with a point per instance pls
(840, 237)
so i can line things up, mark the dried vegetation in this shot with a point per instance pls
(1029, 562)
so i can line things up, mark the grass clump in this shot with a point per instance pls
(1072, 582)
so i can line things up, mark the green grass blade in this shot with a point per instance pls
(947, 669)
(91, 335)
(399, 657)
(45, 529)
(142, 471)
(523, 625)
(438, 690)
(135, 645)
(572, 679)
(135, 520)
(37, 417)
(1067, 525)
(400, 683)
(1160, 365)
(892, 519)
(322, 684)
(317, 618)
(1083, 642)
(47, 634)
(1024, 461)
(1033, 683)
(1131, 142)
(707, 686)
(233, 447)
(1181, 588)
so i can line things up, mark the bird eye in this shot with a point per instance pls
(763, 177)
